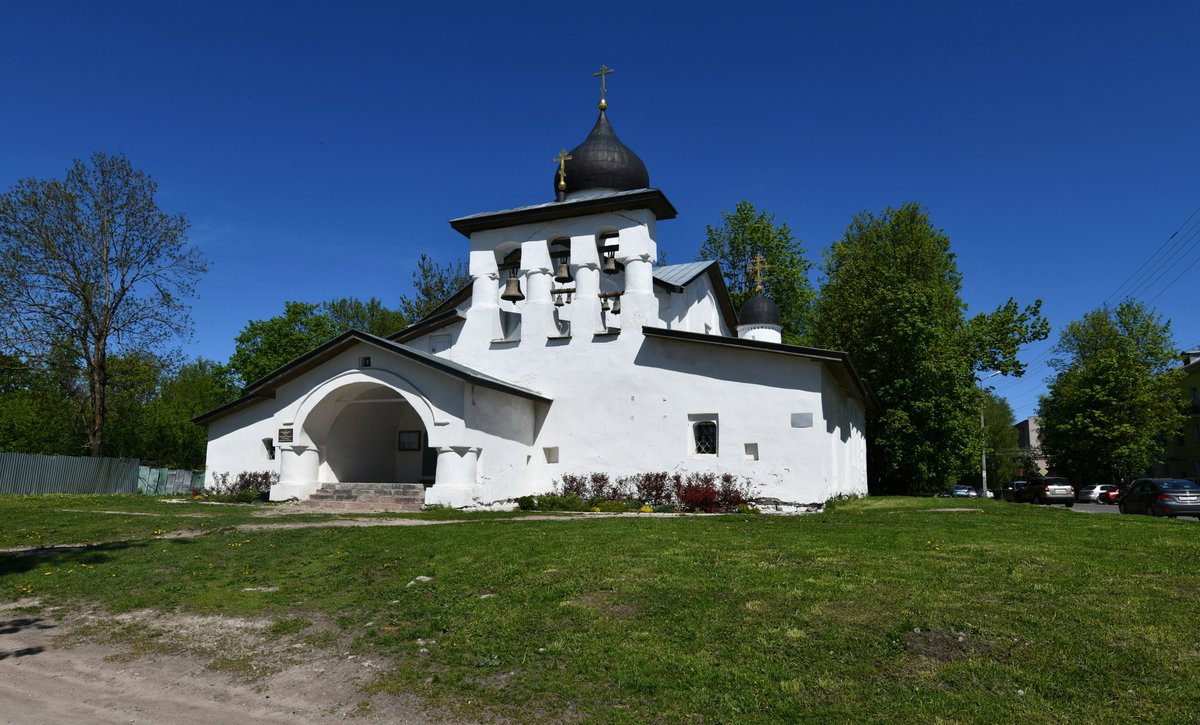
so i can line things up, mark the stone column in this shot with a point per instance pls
(298, 472)
(639, 306)
(585, 309)
(537, 313)
(456, 476)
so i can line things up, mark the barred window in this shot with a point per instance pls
(705, 433)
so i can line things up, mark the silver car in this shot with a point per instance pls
(1092, 493)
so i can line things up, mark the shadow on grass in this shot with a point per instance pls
(19, 562)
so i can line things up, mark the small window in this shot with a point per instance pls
(751, 452)
(551, 453)
(268, 449)
(408, 440)
(437, 343)
(364, 361)
(705, 433)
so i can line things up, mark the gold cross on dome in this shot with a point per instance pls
(604, 70)
(562, 159)
(757, 265)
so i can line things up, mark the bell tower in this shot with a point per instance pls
(575, 267)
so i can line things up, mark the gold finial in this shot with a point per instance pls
(562, 159)
(604, 70)
(757, 265)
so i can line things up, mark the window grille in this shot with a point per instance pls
(706, 437)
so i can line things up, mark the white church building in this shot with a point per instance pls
(570, 352)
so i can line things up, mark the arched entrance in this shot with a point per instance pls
(366, 432)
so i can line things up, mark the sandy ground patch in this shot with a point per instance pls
(150, 667)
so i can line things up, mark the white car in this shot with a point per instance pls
(1092, 492)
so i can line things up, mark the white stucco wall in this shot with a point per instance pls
(622, 404)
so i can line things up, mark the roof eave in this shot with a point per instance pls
(651, 199)
(841, 360)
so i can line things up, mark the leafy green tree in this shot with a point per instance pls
(999, 443)
(90, 264)
(891, 298)
(133, 384)
(38, 411)
(350, 313)
(738, 240)
(263, 346)
(1115, 396)
(432, 284)
(170, 438)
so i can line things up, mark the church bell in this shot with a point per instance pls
(610, 263)
(616, 307)
(512, 290)
(563, 275)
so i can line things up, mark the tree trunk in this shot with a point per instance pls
(97, 384)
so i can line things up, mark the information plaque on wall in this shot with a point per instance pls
(285, 435)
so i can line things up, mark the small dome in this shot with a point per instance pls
(759, 310)
(603, 162)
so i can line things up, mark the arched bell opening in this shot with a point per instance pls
(368, 433)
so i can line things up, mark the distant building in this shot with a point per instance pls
(1181, 458)
(1030, 442)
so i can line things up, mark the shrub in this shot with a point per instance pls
(652, 489)
(572, 485)
(563, 502)
(733, 492)
(698, 492)
(248, 486)
(527, 503)
(835, 502)
(611, 506)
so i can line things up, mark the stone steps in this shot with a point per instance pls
(391, 497)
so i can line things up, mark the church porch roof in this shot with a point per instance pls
(264, 389)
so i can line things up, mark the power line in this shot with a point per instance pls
(1137, 272)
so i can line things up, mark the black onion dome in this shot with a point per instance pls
(759, 310)
(603, 162)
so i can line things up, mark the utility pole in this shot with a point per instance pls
(983, 434)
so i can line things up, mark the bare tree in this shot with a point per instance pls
(91, 265)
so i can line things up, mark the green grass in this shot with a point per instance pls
(882, 610)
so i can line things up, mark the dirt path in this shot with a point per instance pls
(52, 672)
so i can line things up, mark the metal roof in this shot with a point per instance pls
(681, 275)
(838, 361)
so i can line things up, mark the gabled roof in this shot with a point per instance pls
(838, 362)
(675, 277)
(592, 202)
(264, 389)
(444, 314)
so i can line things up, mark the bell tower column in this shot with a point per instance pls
(638, 252)
(537, 315)
(585, 310)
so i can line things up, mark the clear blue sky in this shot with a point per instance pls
(319, 148)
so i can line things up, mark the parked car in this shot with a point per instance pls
(964, 492)
(1162, 497)
(1009, 492)
(1092, 492)
(1042, 491)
